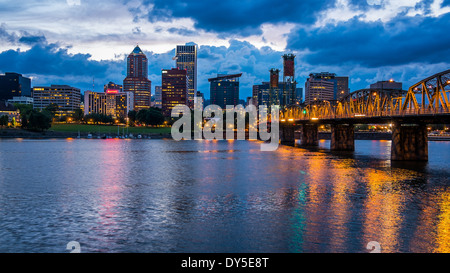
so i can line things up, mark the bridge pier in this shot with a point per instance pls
(409, 142)
(309, 135)
(342, 137)
(287, 134)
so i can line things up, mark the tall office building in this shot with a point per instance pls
(320, 86)
(158, 96)
(174, 89)
(14, 85)
(255, 92)
(137, 80)
(224, 90)
(266, 94)
(186, 58)
(342, 87)
(66, 97)
(261, 93)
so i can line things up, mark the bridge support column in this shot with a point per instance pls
(309, 135)
(343, 137)
(409, 142)
(287, 135)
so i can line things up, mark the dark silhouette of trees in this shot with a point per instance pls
(99, 118)
(152, 116)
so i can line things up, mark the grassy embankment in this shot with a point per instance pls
(107, 129)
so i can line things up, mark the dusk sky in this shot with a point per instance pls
(73, 41)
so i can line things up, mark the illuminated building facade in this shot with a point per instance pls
(320, 87)
(66, 97)
(137, 80)
(174, 89)
(186, 58)
(110, 103)
(112, 87)
(224, 90)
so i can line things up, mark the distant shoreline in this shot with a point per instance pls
(20, 133)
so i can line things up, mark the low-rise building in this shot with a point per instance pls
(66, 97)
(21, 100)
(8, 109)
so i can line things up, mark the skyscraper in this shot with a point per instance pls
(158, 96)
(186, 58)
(137, 80)
(174, 89)
(14, 85)
(342, 87)
(225, 90)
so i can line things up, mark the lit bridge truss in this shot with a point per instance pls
(427, 97)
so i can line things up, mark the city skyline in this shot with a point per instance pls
(367, 41)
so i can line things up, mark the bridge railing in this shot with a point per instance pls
(300, 115)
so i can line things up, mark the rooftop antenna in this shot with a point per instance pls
(93, 84)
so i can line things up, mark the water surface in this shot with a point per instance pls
(219, 196)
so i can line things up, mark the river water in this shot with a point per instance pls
(219, 196)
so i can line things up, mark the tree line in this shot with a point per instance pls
(40, 120)
(152, 116)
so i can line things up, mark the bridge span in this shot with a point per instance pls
(409, 112)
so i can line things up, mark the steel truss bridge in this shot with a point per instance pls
(426, 102)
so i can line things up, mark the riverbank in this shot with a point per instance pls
(98, 131)
(105, 133)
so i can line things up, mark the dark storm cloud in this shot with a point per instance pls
(52, 60)
(31, 40)
(401, 41)
(51, 64)
(240, 17)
